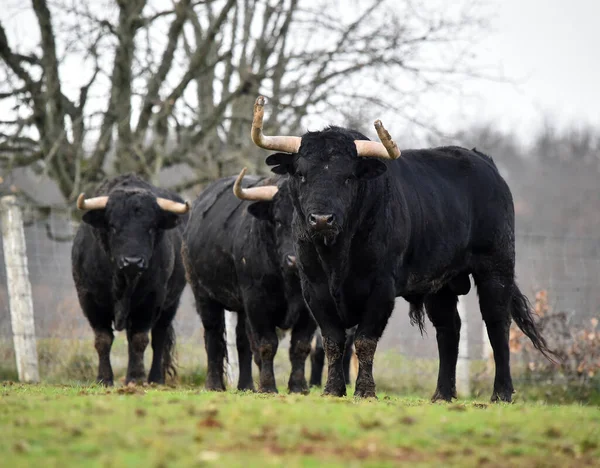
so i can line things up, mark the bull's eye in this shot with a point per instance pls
(151, 231)
(302, 179)
(113, 230)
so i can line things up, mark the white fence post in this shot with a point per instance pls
(19, 290)
(233, 367)
(463, 370)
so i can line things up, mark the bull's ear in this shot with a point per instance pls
(168, 220)
(282, 163)
(368, 168)
(261, 210)
(95, 218)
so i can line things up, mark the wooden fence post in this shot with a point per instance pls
(233, 367)
(19, 289)
(463, 367)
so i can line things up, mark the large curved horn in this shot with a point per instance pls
(287, 144)
(387, 149)
(264, 193)
(86, 204)
(173, 206)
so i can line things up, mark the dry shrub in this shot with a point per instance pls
(577, 346)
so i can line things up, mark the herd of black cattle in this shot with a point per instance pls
(344, 227)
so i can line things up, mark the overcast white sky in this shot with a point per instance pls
(551, 48)
(548, 48)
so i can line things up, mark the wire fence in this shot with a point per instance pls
(567, 267)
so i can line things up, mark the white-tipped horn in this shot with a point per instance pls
(387, 149)
(173, 206)
(264, 193)
(287, 144)
(87, 204)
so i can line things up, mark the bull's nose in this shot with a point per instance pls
(321, 221)
(132, 262)
(290, 260)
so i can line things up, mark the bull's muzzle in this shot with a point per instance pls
(321, 222)
(132, 264)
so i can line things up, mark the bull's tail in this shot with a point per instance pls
(169, 355)
(522, 314)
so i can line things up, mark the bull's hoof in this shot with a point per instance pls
(137, 380)
(443, 395)
(299, 387)
(215, 386)
(267, 389)
(157, 379)
(335, 390)
(502, 396)
(246, 387)
(365, 392)
(106, 382)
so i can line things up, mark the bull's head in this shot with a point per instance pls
(327, 169)
(272, 204)
(129, 224)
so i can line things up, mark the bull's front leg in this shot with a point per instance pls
(103, 340)
(325, 313)
(137, 342)
(378, 309)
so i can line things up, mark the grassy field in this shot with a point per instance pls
(45, 425)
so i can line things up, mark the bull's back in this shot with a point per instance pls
(457, 203)
(216, 218)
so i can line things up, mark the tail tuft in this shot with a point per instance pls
(522, 314)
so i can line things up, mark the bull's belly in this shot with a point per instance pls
(423, 284)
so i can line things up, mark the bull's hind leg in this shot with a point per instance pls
(348, 354)
(323, 309)
(163, 346)
(213, 321)
(302, 334)
(244, 354)
(442, 311)
(495, 292)
(137, 342)
(265, 340)
(317, 361)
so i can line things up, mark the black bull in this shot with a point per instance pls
(239, 256)
(369, 229)
(128, 272)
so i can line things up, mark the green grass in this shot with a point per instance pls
(45, 425)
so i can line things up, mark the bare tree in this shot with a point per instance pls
(119, 85)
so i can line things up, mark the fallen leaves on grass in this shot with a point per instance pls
(553, 433)
(312, 435)
(140, 412)
(21, 447)
(210, 420)
(369, 424)
(208, 456)
(408, 420)
(457, 407)
(131, 389)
